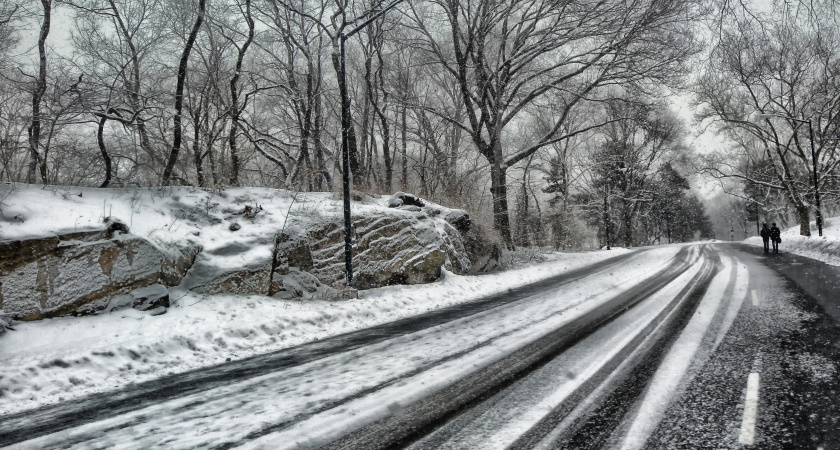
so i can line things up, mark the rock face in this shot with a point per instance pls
(176, 262)
(74, 273)
(99, 270)
(402, 199)
(291, 263)
(207, 277)
(397, 247)
(402, 247)
(484, 253)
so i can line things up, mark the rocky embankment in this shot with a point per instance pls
(135, 247)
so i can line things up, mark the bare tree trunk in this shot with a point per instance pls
(214, 173)
(404, 137)
(386, 151)
(803, 213)
(360, 174)
(373, 94)
(498, 189)
(134, 95)
(37, 95)
(304, 139)
(319, 151)
(352, 146)
(179, 94)
(627, 215)
(235, 109)
(521, 236)
(106, 158)
(197, 150)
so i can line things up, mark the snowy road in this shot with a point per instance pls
(598, 357)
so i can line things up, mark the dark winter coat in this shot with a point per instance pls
(775, 233)
(765, 233)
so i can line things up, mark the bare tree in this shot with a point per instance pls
(39, 87)
(787, 66)
(235, 102)
(114, 41)
(177, 130)
(509, 57)
(7, 31)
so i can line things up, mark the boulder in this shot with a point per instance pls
(483, 251)
(177, 261)
(459, 219)
(398, 248)
(5, 322)
(293, 283)
(291, 262)
(250, 280)
(216, 271)
(74, 273)
(144, 299)
(403, 199)
(292, 251)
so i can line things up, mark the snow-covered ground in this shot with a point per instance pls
(59, 359)
(403, 369)
(825, 248)
(526, 403)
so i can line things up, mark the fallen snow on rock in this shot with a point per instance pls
(216, 242)
(59, 359)
(825, 248)
(234, 227)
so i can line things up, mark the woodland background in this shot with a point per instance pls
(549, 120)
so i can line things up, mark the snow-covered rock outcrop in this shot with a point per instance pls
(73, 273)
(390, 247)
(241, 241)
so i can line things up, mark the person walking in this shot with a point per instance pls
(776, 237)
(765, 236)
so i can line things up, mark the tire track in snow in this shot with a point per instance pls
(686, 352)
(426, 414)
(44, 420)
(144, 414)
(533, 406)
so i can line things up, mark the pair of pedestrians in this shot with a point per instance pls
(773, 234)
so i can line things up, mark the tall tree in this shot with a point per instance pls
(39, 87)
(787, 65)
(522, 58)
(177, 130)
(235, 103)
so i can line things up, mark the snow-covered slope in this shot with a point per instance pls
(244, 241)
(174, 215)
(825, 248)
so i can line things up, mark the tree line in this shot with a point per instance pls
(771, 85)
(547, 117)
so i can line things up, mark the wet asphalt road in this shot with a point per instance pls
(787, 330)
(808, 392)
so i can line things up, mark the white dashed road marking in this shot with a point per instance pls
(750, 409)
(755, 298)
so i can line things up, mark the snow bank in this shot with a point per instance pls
(825, 248)
(59, 359)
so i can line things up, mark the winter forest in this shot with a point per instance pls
(551, 121)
